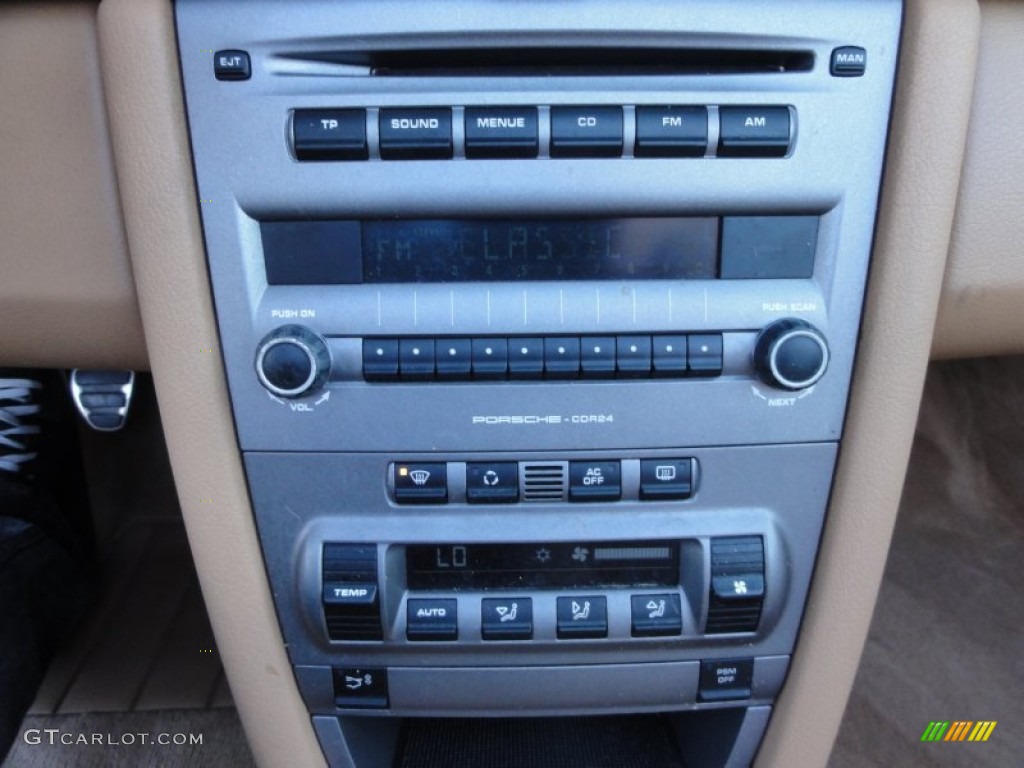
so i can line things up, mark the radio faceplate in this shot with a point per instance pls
(442, 241)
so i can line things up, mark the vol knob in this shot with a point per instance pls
(791, 354)
(293, 361)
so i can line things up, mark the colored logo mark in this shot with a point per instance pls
(958, 730)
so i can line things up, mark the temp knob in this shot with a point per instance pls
(293, 361)
(791, 354)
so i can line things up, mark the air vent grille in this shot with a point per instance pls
(543, 481)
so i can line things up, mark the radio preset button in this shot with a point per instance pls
(501, 132)
(421, 483)
(633, 355)
(432, 619)
(380, 359)
(415, 134)
(586, 131)
(490, 358)
(492, 482)
(671, 131)
(595, 480)
(562, 357)
(597, 355)
(454, 358)
(330, 134)
(526, 358)
(506, 618)
(666, 479)
(669, 355)
(704, 351)
(416, 358)
(753, 131)
(656, 615)
(582, 617)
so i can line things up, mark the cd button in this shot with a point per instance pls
(490, 358)
(633, 355)
(669, 355)
(507, 618)
(492, 483)
(671, 131)
(705, 354)
(415, 134)
(666, 479)
(526, 358)
(586, 131)
(753, 131)
(562, 357)
(582, 617)
(330, 134)
(421, 483)
(416, 358)
(380, 359)
(432, 619)
(595, 480)
(656, 615)
(597, 355)
(454, 358)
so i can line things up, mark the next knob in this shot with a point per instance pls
(293, 361)
(791, 354)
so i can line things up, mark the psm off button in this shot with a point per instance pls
(232, 65)
(724, 680)
(848, 61)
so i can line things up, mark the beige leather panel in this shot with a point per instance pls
(154, 168)
(982, 309)
(66, 293)
(918, 200)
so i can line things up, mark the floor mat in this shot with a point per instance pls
(945, 642)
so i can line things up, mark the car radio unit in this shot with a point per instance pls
(539, 353)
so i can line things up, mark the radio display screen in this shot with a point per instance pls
(523, 566)
(383, 251)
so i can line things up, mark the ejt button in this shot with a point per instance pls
(492, 482)
(231, 65)
(595, 480)
(421, 483)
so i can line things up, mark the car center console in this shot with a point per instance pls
(539, 330)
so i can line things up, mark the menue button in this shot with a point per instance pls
(501, 132)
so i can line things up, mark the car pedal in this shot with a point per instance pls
(103, 397)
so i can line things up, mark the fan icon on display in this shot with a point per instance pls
(419, 476)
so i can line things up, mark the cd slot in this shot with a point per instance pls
(543, 61)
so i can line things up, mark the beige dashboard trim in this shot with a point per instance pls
(158, 195)
(66, 293)
(932, 104)
(980, 312)
(147, 115)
